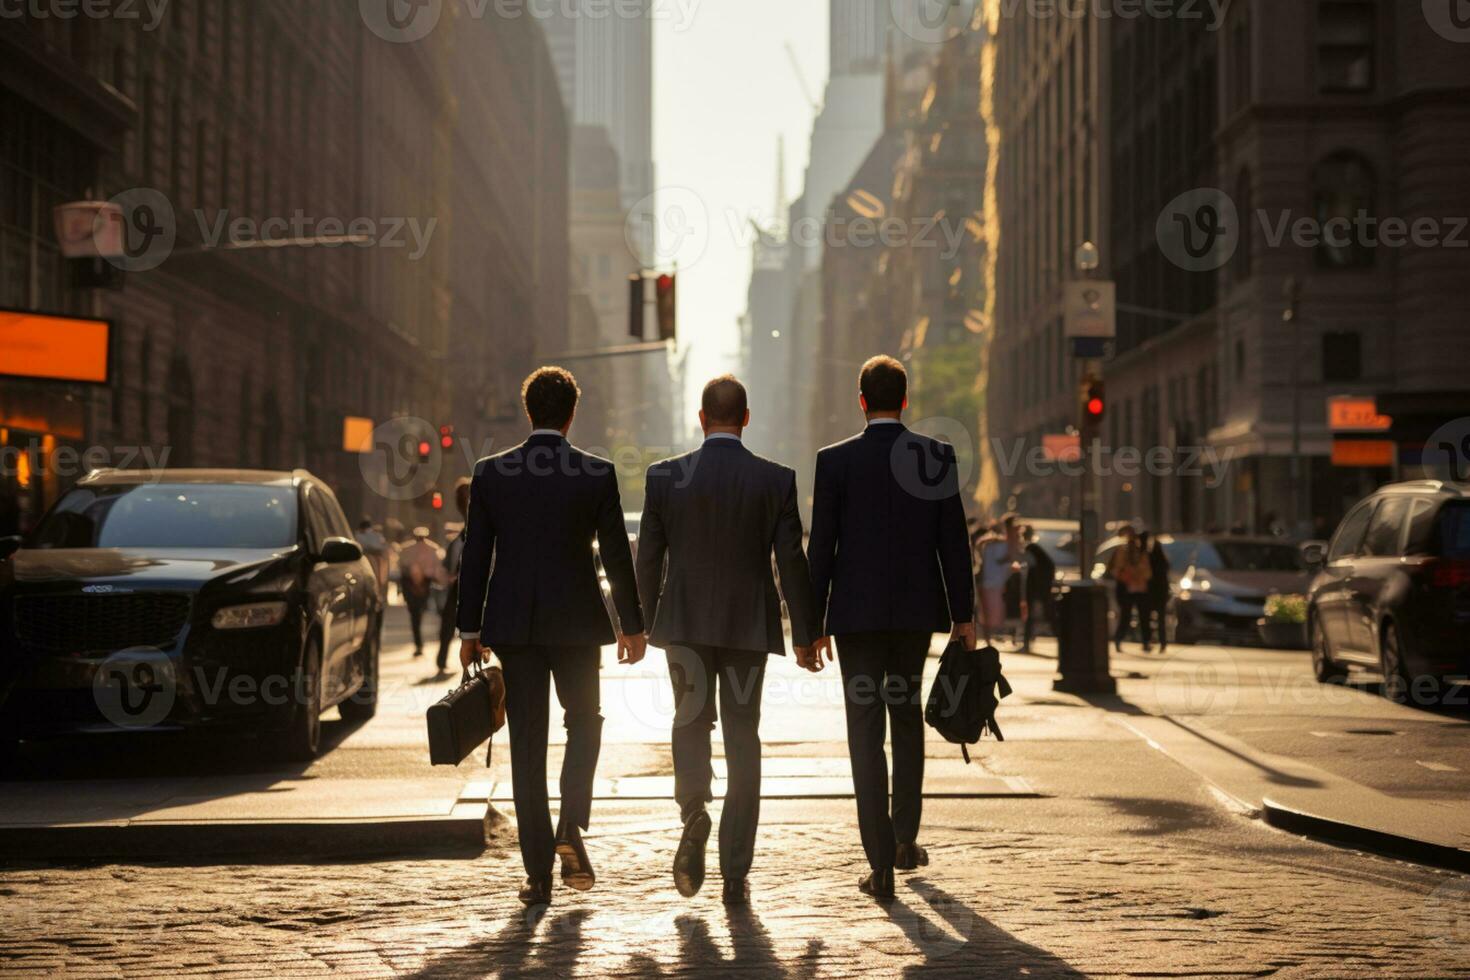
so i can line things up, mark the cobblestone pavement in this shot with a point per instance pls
(1087, 888)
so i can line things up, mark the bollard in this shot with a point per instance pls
(1083, 665)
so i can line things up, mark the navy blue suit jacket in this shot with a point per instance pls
(889, 546)
(528, 576)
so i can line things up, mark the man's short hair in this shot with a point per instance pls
(884, 384)
(724, 401)
(550, 395)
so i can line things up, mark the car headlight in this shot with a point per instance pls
(252, 615)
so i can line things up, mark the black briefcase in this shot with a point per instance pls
(467, 716)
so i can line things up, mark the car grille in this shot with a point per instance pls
(86, 623)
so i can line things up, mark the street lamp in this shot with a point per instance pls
(1292, 291)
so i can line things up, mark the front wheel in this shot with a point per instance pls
(303, 740)
(1326, 670)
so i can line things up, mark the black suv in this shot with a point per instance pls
(1392, 591)
(188, 599)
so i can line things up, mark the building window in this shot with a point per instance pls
(1344, 188)
(1342, 356)
(1345, 45)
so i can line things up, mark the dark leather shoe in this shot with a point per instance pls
(576, 867)
(737, 892)
(536, 891)
(910, 856)
(689, 859)
(879, 884)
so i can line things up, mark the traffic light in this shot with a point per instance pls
(425, 450)
(665, 290)
(637, 299)
(446, 437)
(436, 500)
(1094, 402)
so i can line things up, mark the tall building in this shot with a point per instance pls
(604, 62)
(1346, 111)
(260, 113)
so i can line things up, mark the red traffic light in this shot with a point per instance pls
(425, 450)
(664, 289)
(437, 501)
(1095, 407)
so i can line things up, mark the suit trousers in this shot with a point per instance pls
(883, 680)
(529, 672)
(734, 679)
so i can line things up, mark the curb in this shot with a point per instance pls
(1380, 842)
(245, 842)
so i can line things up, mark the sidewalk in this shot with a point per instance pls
(374, 792)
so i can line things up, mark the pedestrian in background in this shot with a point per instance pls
(453, 557)
(420, 567)
(1041, 574)
(1000, 558)
(1158, 591)
(1129, 569)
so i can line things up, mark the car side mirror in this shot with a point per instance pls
(1314, 554)
(340, 551)
(9, 546)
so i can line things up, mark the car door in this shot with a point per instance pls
(1373, 571)
(1332, 596)
(331, 597)
(360, 581)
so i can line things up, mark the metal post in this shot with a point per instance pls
(1291, 319)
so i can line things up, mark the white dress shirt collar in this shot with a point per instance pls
(721, 435)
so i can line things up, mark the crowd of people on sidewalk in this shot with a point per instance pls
(425, 573)
(1016, 580)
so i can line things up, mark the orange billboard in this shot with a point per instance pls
(54, 348)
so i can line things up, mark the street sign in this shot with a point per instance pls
(357, 434)
(1062, 448)
(1356, 413)
(1090, 308)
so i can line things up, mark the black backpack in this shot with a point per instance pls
(965, 694)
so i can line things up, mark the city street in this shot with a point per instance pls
(1125, 862)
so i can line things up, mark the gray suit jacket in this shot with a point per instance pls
(717, 515)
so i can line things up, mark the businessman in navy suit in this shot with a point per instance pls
(529, 592)
(890, 563)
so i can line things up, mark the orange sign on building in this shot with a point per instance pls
(54, 348)
(1363, 452)
(1352, 413)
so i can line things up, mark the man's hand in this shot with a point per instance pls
(807, 658)
(965, 633)
(471, 651)
(823, 648)
(632, 647)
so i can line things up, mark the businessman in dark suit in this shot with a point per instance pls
(717, 515)
(890, 560)
(529, 592)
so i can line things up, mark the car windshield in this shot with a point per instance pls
(1060, 546)
(1234, 556)
(172, 516)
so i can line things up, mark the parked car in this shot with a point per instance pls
(1219, 584)
(1392, 591)
(228, 599)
